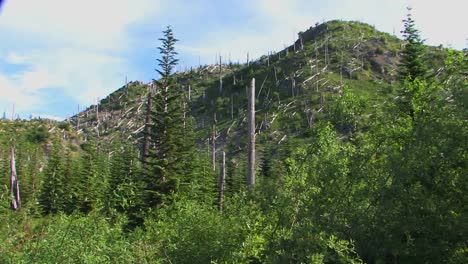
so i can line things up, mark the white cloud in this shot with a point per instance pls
(273, 25)
(14, 58)
(442, 23)
(11, 95)
(76, 46)
(96, 24)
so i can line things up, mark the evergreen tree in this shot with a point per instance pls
(124, 185)
(412, 63)
(52, 191)
(92, 182)
(167, 139)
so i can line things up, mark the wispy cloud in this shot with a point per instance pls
(14, 58)
(75, 46)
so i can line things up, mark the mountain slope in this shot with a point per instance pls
(295, 87)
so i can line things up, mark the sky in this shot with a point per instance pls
(58, 56)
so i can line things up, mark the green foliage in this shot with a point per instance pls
(124, 192)
(346, 112)
(52, 192)
(346, 174)
(70, 239)
(38, 135)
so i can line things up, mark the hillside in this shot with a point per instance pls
(295, 87)
(361, 157)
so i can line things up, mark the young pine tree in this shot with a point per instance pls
(164, 164)
(51, 196)
(412, 66)
(412, 63)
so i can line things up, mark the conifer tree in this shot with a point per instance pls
(125, 185)
(92, 181)
(52, 191)
(412, 64)
(167, 132)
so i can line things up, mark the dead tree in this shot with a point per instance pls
(222, 183)
(146, 140)
(220, 84)
(251, 149)
(14, 183)
(97, 110)
(77, 119)
(232, 107)
(276, 77)
(213, 147)
(189, 93)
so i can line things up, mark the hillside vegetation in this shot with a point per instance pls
(361, 157)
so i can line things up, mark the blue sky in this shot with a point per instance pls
(58, 54)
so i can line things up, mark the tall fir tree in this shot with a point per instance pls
(412, 63)
(167, 130)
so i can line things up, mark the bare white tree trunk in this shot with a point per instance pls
(97, 110)
(232, 107)
(185, 114)
(220, 84)
(189, 93)
(222, 182)
(78, 119)
(14, 183)
(276, 77)
(251, 149)
(213, 147)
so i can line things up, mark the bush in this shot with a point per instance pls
(38, 135)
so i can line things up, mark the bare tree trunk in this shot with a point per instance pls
(14, 183)
(213, 147)
(222, 183)
(78, 119)
(322, 100)
(189, 93)
(97, 110)
(251, 154)
(220, 84)
(146, 140)
(276, 78)
(13, 113)
(232, 107)
(185, 115)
